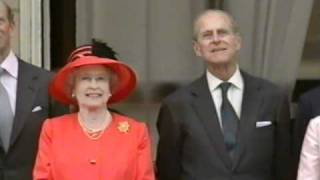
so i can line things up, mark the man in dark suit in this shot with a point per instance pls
(25, 106)
(227, 124)
(308, 108)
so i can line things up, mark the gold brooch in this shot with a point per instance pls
(123, 127)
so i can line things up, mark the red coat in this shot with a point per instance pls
(66, 153)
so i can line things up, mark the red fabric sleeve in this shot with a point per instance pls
(145, 169)
(42, 168)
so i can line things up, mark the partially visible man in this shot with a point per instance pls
(308, 108)
(24, 102)
(227, 124)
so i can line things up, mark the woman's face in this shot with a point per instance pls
(92, 86)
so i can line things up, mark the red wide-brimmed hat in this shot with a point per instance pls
(60, 86)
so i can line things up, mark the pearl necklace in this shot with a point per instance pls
(95, 133)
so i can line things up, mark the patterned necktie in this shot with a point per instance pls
(6, 116)
(229, 120)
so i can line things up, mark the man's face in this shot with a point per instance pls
(216, 41)
(6, 31)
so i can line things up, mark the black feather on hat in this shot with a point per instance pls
(101, 49)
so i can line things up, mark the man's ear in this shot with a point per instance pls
(239, 42)
(196, 48)
(12, 29)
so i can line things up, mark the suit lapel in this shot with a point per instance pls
(26, 92)
(251, 102)
(205, 109)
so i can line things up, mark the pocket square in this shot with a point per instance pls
(263, 123)
(37, 108)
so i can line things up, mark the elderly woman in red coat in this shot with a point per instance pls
(93, 143)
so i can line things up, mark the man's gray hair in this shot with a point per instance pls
(234, 25)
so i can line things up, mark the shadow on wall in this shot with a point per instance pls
(153, 92)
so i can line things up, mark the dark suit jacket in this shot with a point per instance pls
(308, 108)
(32, 91)
(191, 145)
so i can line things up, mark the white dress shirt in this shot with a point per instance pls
(10, 77)
(235, 92)
(309, 165)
